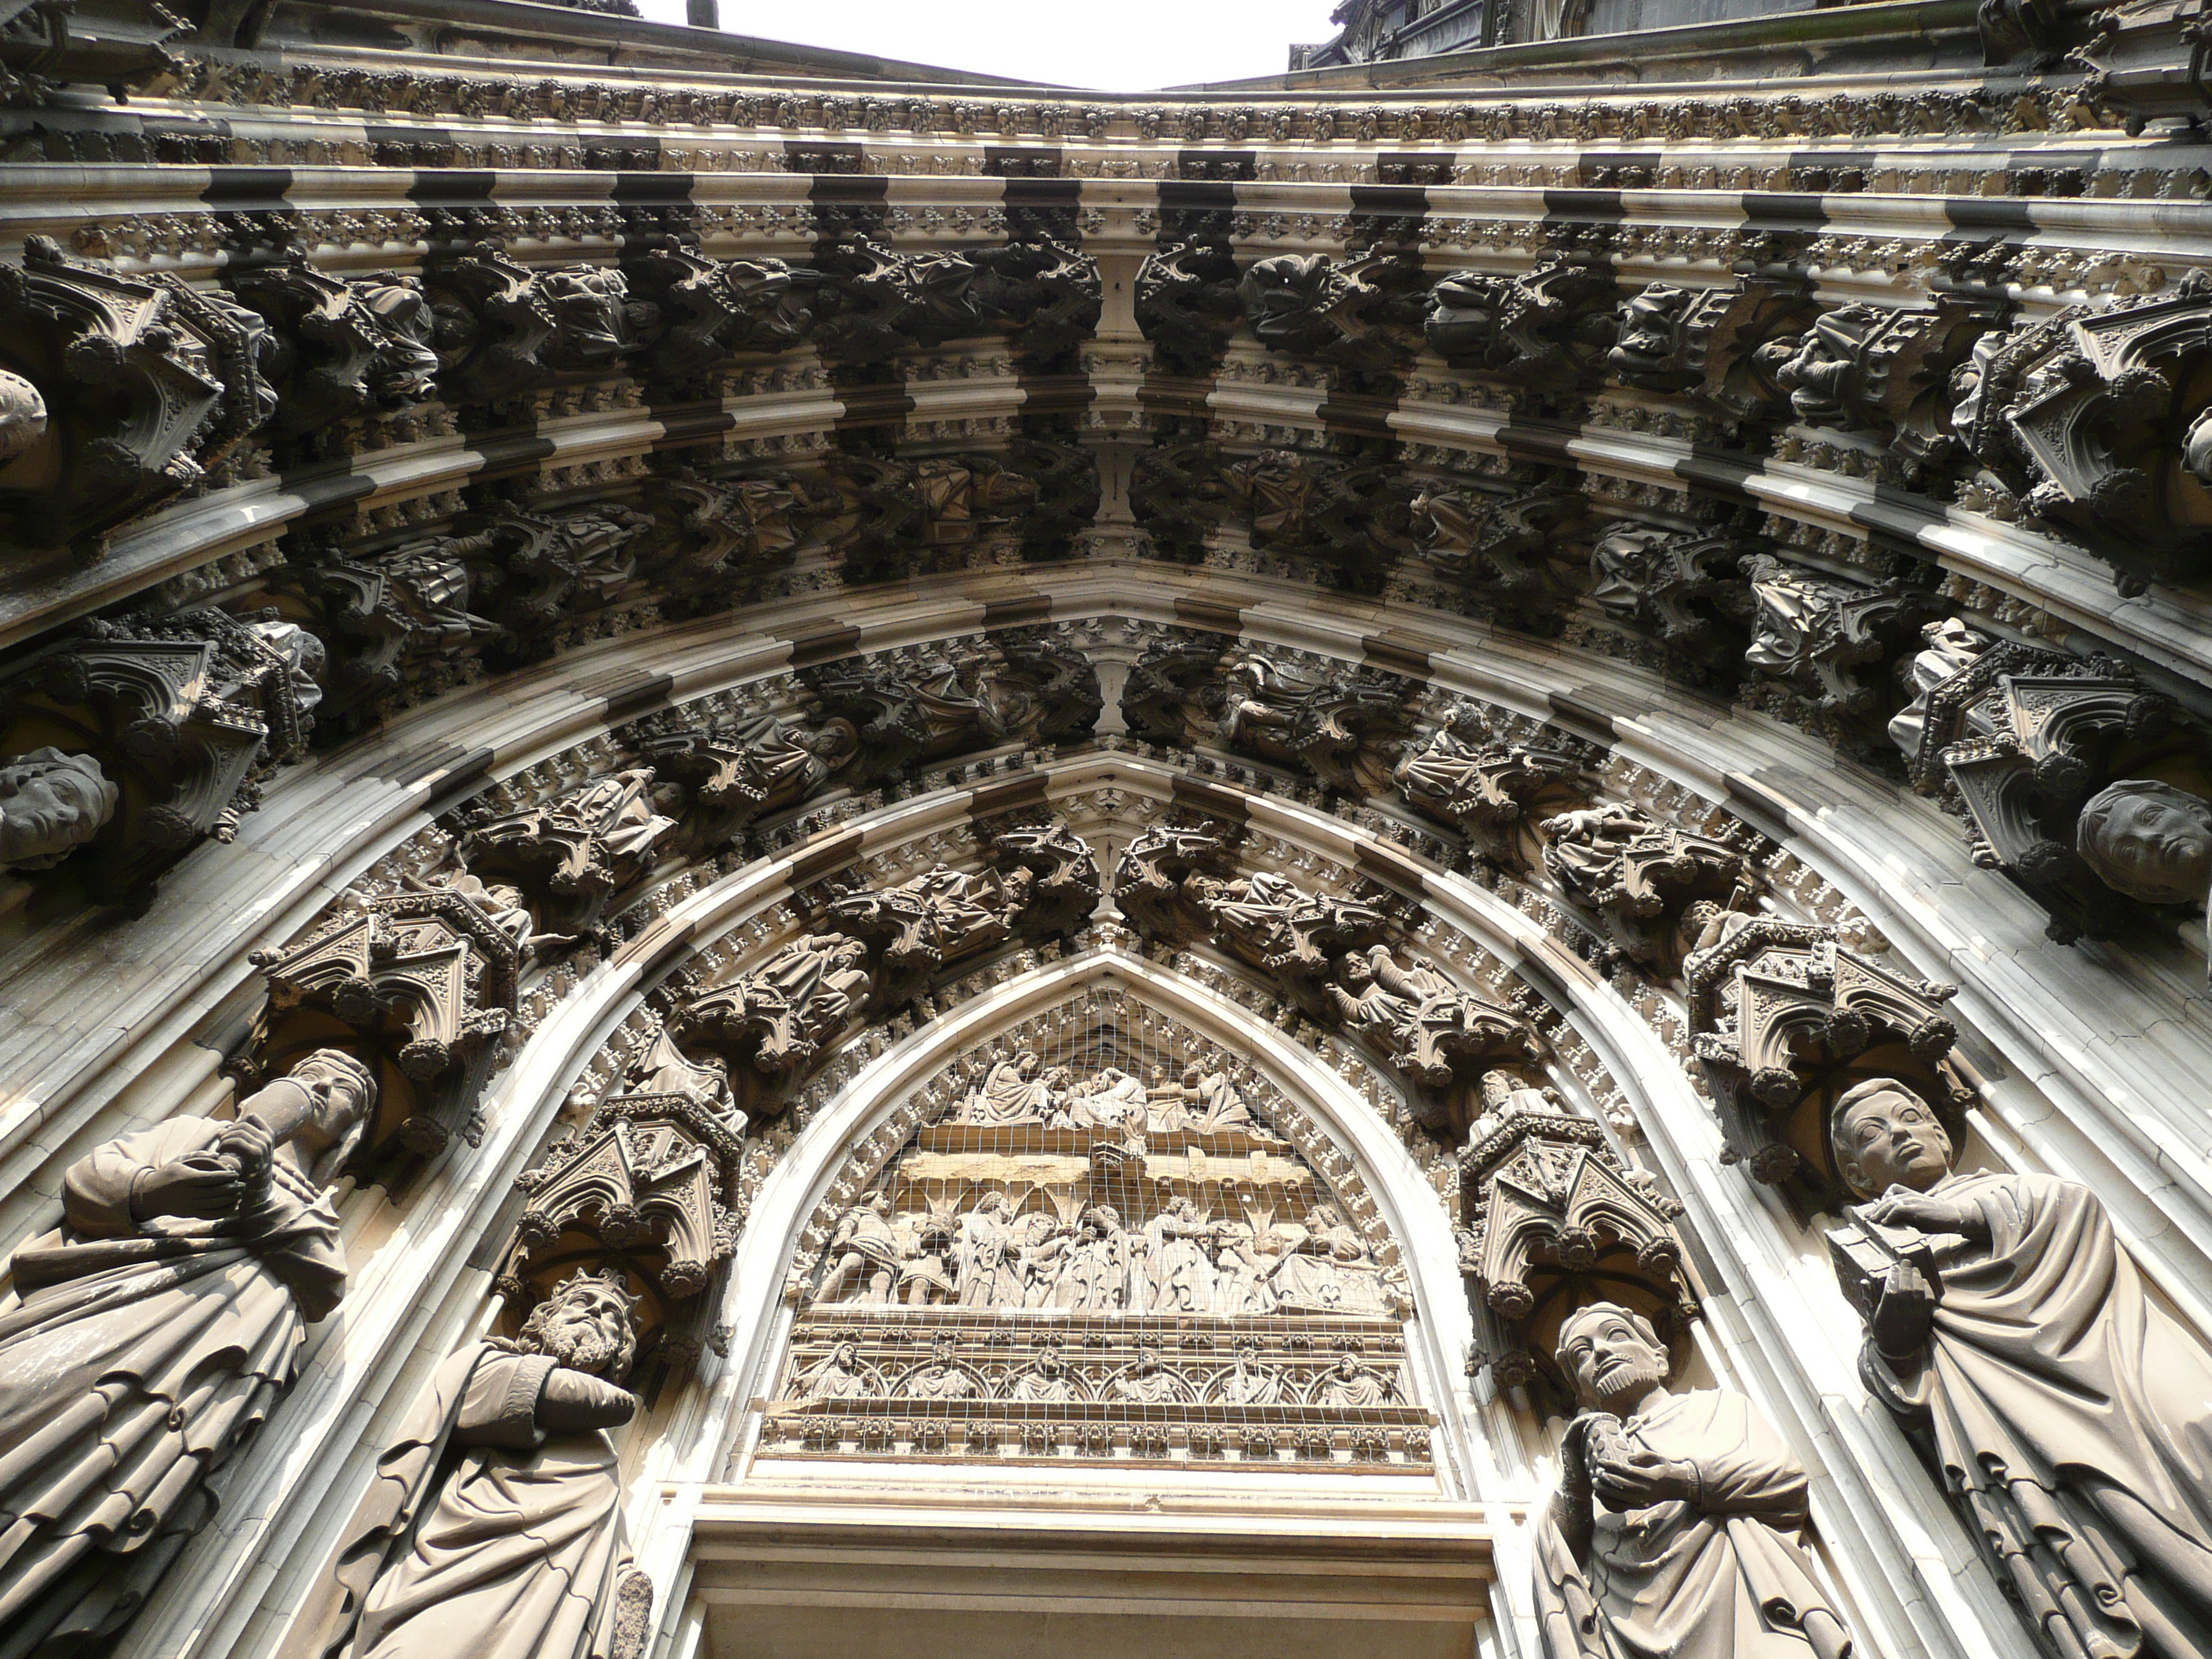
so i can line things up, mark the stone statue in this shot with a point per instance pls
(494, 1529)
(1678, 1527)
(1041, 1246)
(865, 1253)
(839, 1376)
(942, 1378)
(51, 804)
(1250, 1384)
(1012, 1092)
(155, 1329)
(1146, 1383)
(2071, 1415)
(1208, 1101)
(1244, 1266)
(1178, 1268)
(1948, 647)
(1428, 1026)
(1097, 1270)
(988, 1275)
(1348, 1383)
(782, 1012)
(23, 416)
(1328, 1270)
(1048, 1382)
(2149, 840)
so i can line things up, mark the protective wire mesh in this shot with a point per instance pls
(1102, 1248)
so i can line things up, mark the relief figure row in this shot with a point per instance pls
(1177, 1262)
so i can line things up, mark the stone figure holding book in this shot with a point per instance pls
(2070, 1414)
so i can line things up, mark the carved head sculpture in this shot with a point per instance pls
(23, 416)
(1148, 1357)
(2195, 448)
(1883, 1135)
(588, 1324)
(1356, 971)
(342, 1092)
(51, 804)
(1612, 1355)
(1248, 1354)
(994, 1203)
(2149, 840)
(1050, 1361)
(846, 1357)
(942, 1353)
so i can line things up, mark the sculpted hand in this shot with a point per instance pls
(247, 1141)
(1635, 1479)
(1900, 1207)
(573, 1400)
(201, 1186)
(1905, 1313)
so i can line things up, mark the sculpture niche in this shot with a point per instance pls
(1678, 1527)
(2069, 1413)
(156, 1328)
(494, 1529)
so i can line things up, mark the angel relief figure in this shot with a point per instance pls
(1421, 1019)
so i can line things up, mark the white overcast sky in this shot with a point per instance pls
(1117, 45)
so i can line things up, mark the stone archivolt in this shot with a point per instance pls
(316, 462)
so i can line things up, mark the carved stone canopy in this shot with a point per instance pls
(1640, 874)
(1555, 1220)
(186, 716)
(144, 384)
(1784, 1017)
(419, 984)
(649, 1185)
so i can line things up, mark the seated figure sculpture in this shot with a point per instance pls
(2071, 1413)
(1677, 1529)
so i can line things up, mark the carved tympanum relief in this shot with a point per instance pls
(1101, 1243)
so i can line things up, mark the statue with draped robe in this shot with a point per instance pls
(152, 1334)
(493, 1529)
(2070, 1414)
(1677, 1531)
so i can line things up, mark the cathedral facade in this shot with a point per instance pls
(803, 857)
